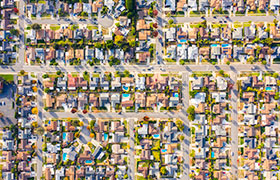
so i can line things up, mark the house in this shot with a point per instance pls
(193, 34)
(204, 52)
(237, 33)
(143, 57)
(151, 100)
(61, 100)
(97, 5)
(115, 99)
(93, 100)
(274, 32)
(215, 33)
(171, 52)
(72, 82)
(226, 33)
(94, 83)
(103, 99)
(193, 52)
(216, 4)
(203, 5)
(61, 83)
(50, 100)
(142, 25)
(81, 82)
(82, 101)
(192, 4)
(182, 51)
(197, 83)
(140, 83)
(170, 5)
(78, 8)
(262, 33)
(203, 33)
(250, 32)
(162, 100)
(251, 4)
(215, 51)
(181, 5)
(140, 99)
(170, 35)
(221, 83)
(240, 6)
(143, 35)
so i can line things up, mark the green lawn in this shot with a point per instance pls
(54, 27)
(90, 27)
(7, 77)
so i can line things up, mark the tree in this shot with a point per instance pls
(92, 135)
(264, 62)
(73, 110)
(77, 135)
(34, 88)
(85, 111)
(36, 26)
(118, 40)
(163, 170)
(146, 118)
(81, 123)
(275, 21)
(16, 10)
(126, 73)
(155, 13)
(14, 32)
(276, 97)
(228, 62)
(45, 76)
(181, 138)
(171, 21)
(47, 90)
(155, 25)
(58, 72)
(193, 93)
(191, 113)
(35, 124)
(40, 131)
(109, 44)
(22, 72)
(34, 110)
(221, 72)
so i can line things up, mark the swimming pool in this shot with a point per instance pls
(105, 136)
(125, 88)
(175, 95)
(179, 45)
(183, 40)
(156, 135)
(268, 88)
(88, 161)
(225, 45)
(214, 45)
(164, 150)
(63, 136)
(64, 156)
(212, 154)
(126, 95)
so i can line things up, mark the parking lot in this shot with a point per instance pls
(6, 105)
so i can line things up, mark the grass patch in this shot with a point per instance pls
(90, 27)
(54, 27)
(237, 25)
(7, 77)
(246, 24)
(95, 75)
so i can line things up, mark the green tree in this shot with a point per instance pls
(191, 113)
(14, 32)
(45, 76)
(163, 170)
(36, 26)
(171, 21)
(126, 73)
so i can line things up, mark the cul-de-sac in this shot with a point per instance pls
(140, 89)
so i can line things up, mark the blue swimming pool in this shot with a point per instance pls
(175, 95)
(183, 40)
(156, 135)
(125, 88)
(105, 136)
(164, 150)
(212, 154)
(179, 45)
(63, 136)
(214, 45)
(126, 95)
(64, 156)
(268, 88)
(225, 45)
(88, 161)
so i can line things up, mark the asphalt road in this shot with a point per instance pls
(230, 19)
(234, 128)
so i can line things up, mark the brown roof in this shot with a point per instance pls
(143, 35)
(143, 56)
(60, 100)
(151, 100)
(40, 34)
(93, 99)
(50, 100)
(50, 54)
(79, 53)
(141, 24)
